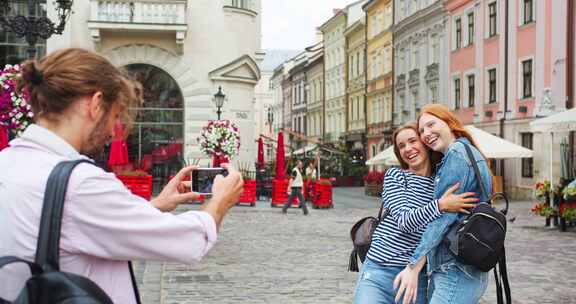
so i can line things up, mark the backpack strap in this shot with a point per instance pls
(47, 249)
(501, 278)
(34, 268)
(476, 171)
(48, 246)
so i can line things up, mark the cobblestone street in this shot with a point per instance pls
(263, 256)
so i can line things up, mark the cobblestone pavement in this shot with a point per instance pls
(263, 256)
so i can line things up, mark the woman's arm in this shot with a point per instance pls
(455, 170)
(410, 219)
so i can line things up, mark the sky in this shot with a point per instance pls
(291, 24)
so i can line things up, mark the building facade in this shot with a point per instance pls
(355, 81)
(265, 93)
(379, 71)
(315, 89)
(421, 72)
(502, 78)
(299, 100)
(165, 45)
(334, 73)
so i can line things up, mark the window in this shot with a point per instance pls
(434, 53)
(387, 59)
(457, 93)
(373, 150)
(415, 57)
(471, 95)
(492, 85)
(528, 11)
(470, 28)
(244, 4)
(527, 163)
(527, 78)
(433, 94)
(492, 19)
(458, 33)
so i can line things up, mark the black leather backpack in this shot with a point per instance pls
(48, 284)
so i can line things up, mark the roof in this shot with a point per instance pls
(274, 58)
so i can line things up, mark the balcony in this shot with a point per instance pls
(161, 16)
(414, 77)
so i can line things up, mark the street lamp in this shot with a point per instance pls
(270, 118)
(34, 26)
(219, 99)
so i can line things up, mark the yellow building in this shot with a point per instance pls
(379, 69)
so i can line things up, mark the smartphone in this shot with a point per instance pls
(203, 179)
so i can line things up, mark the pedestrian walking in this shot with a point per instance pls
(295, 188)
(77, 96)
(408, 196)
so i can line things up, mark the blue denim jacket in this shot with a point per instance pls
(455, 167)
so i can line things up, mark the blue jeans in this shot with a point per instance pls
(375, 285)
(450, 284)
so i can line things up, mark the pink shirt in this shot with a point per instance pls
(103, 224)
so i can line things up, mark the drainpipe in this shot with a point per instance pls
(506, 59)
(365, 67)
(570, 68)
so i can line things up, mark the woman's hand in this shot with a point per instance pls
(407, 284)
(176, 192)
(450, 202)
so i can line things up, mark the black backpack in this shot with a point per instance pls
(478, 238)
(48, 284)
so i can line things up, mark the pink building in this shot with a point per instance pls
(500, 79)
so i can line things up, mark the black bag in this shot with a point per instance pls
(48, 284)
(478, 238)
(361, 234)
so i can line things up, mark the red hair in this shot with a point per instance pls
(443, 113)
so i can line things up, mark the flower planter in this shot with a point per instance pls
(248, 195)
(279, 195)
(138, 185)
(372, 189)
(322, 196)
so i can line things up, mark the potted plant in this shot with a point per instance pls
(15, 112)
(542, 191)
(249, 192)
(322, 196)
(569, 193)
(373, 183)
(568, 215)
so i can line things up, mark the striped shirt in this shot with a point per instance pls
(409, 199)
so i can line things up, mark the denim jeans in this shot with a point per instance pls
(450, 284)
(375, 285)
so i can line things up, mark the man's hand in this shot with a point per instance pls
(175, 192)
(225, 194)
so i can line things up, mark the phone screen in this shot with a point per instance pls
(203, 179)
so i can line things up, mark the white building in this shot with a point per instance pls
(265, 94)
(335, 77)
(420, 61)
(183, 51)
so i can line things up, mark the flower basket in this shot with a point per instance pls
(139, 184)
(248, 195)
(15, 112)
(220, 140)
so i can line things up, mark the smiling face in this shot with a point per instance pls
(435, 133)
(412, 150)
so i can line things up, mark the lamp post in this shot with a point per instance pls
(219, 99)
(34, 26)
(270, 118)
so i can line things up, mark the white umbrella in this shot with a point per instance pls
(559, 122)
(386, 157)
(495, 147)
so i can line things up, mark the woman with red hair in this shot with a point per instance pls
(451, 281)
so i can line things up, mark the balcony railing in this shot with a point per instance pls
(139, 11)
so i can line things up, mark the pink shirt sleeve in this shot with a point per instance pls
(105, 220)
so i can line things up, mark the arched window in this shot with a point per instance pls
(157, 137)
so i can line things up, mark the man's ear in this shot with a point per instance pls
(95, 107)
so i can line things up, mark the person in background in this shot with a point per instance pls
(295, 188)
(77, 97)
